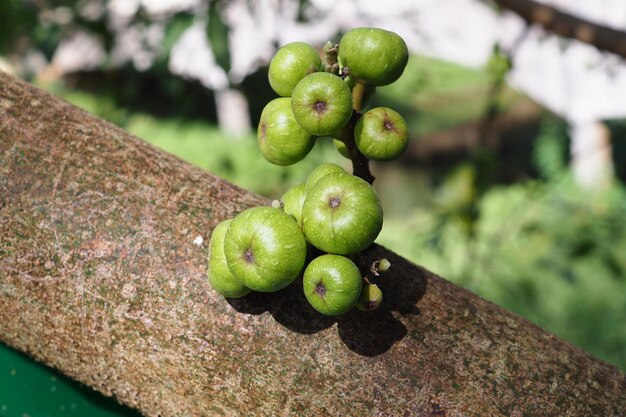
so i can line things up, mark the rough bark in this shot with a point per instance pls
(569, 26)
(100, 278)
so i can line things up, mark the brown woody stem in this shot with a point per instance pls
(360, 164)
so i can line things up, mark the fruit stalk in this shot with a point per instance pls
(358, 92)
(360, 164)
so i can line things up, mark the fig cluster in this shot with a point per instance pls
(320, 99)
(334, 215)
(265, 248)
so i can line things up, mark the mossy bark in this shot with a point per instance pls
(100, 278)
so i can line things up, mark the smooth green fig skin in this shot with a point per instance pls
(341, 148)
(321, 171)
(265, 248)
(370, 299)
(341, 214)
(220, 277)
(291, 63)
(375, 56)
(322, 103)
(381, 134)
(383, 265)
(281, 139)
(332, 284)
(293, 200)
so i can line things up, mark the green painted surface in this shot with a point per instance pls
(29, 389)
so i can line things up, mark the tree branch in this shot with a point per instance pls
(569, 26)
(100, 278)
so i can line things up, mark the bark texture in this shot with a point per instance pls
(569, 26)
(100, 278)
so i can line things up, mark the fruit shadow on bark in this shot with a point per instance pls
(366, 333)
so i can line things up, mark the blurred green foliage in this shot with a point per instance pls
(217, 33)
(439, 95)
(543, 248)
(16, 17)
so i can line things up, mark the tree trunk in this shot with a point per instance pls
(233, 113)
(592, 153)
(100, 278)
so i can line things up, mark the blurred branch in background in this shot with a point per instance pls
(591, 141)
(568, 25)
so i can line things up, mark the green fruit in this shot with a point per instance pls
(341, 214)
(370, 299)
(383, 265)
(281, 139)
(292, 202)
(332, 284)
(322, 103)
(220, 277)
(319, 172)
(265, 248)
(290, 64)
(374, 56)
(381, 134)
(342, 148)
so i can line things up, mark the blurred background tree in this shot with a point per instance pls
(513, 182)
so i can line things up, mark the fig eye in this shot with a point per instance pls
(320, 107)
(320, 289)
(248, 256)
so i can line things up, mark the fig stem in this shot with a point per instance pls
(360, 164)
(374, 268)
